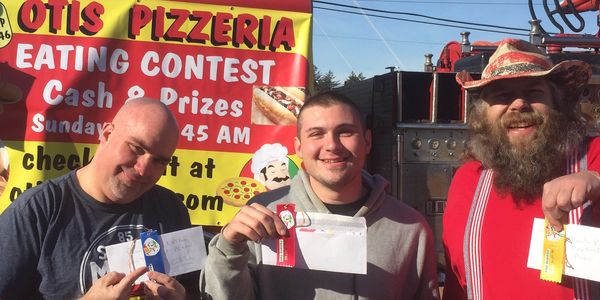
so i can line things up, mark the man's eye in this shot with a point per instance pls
(161, 161)
(500, 98)
(347, 133)
(536, 92)
(137, 149)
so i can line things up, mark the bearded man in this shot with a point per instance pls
(528, 158)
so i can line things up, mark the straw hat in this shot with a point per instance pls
(516, 58)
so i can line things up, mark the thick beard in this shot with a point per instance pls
(521, 168)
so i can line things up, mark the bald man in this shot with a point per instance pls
(54, 235)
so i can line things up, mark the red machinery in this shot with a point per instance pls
(453, 55)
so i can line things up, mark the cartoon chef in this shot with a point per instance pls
(270, 166)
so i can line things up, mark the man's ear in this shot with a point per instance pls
(368, 139)
(298, 147)
(107, 130)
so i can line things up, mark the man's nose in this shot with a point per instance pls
(332, 142)
(143, 165)
(520, 104)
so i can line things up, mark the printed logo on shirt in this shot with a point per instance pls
(94, 263)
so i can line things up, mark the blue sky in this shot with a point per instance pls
(347, 42)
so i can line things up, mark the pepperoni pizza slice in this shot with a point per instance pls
(237, 191)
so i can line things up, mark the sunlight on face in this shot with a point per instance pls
(333, 145)
(513, 102)
(134, 152)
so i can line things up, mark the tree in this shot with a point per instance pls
(353, 77)
(324, 82)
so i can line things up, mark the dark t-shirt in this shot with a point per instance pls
(348, 209)
(53, 237)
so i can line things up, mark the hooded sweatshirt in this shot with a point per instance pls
(400, 255)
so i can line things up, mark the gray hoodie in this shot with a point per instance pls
(400, 255)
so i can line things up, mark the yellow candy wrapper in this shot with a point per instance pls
(553, 264)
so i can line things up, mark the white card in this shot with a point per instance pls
(326, 242)
(184, 252)
(582, 248)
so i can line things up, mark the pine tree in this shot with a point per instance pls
(353, 77)
(324, 82)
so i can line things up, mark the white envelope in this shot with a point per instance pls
(184, 252)
(582, 248)
(325, 242)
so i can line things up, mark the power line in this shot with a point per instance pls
(347, 37)
(383, 40)
(451, 2)
(416, 15)
(420, 22)
(346, 61)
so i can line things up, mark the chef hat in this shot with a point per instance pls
(266, 154)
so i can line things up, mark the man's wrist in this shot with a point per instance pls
(228, 247)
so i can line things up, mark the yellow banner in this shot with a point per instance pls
(197, 177)
(69, 66)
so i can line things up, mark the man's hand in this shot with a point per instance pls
(114, 285)
(568, 192)
(162, 286)
(254, 222)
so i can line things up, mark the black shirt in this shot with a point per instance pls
(349, 209)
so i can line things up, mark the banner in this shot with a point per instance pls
(68, 66)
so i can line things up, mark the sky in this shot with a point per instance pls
(344, 42)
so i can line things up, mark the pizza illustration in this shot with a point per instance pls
(237, 191)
